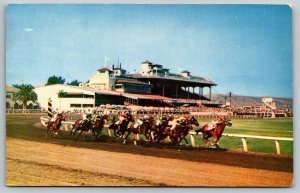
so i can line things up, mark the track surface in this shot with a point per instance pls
(34, 160)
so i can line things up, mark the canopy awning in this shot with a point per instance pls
(146, 96)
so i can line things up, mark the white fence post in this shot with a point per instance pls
(192, 140)
(277, 147)
(108, 131)
(244, 144)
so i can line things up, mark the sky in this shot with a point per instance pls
(245, 49)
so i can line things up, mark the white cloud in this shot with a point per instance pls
(27, 29)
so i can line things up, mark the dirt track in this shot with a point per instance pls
(33, 160)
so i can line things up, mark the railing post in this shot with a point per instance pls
(277, 147)
(244, 144)
(108, 131)
(192, 139)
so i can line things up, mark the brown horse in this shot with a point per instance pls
(159, 130)
(145, 128)
(121, 128)
(82, 126)
(182, 130)
(98, 124)
(55, 126)
(216, 132)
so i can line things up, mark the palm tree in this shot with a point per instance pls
(25, 94)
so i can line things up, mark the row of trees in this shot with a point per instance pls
(25, 91)
(59, 80)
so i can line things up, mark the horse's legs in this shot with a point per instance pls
(47, 130)
(134, 139)
(72, 130)
(128, 133)
(151, 136)
(77, 137)
(206, 141)
(216, 143)
(186, 141)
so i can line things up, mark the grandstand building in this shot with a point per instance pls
(152, 83)
(153, 86)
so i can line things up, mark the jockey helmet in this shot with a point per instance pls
(186, 117)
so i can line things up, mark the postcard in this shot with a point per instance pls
(164, 95)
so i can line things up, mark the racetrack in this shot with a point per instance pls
(34, 160)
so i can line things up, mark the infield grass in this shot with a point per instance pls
(279, 127)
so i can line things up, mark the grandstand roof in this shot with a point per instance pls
(175, 78)
(144, 96)
(130, 81)
(104, 69)
(147, 62)
(11, 89)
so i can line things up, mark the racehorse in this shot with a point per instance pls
(182, 130)
(121, 128)
(55, 125)
(98, 125)
(145, 128)
(216, 132)
(82, 126)
(187, 126)
(178, 133)
(159, 130)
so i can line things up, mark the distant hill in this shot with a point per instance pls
(237, 100)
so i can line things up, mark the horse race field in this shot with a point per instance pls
(32, 160)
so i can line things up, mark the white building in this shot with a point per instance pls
(66, 97)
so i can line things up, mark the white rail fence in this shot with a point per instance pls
(67, 126)
(245, 137)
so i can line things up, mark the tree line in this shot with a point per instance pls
(25, 92)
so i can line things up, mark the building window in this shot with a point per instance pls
(87, 105)
(75, 105)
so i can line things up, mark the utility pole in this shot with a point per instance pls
(230, 93)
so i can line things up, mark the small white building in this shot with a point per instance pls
(67, 97)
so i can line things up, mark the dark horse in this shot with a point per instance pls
(82, 126)
(55, 126)
(182, 130)
(159, 130)
(145, 128)
(179, 133)
(98, 124)
(121, 128)
(216, 132)
(95, 127)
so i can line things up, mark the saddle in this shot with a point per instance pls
(211, 126)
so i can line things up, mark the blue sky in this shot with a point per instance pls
(245, 49)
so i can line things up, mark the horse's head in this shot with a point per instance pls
(130, 118)
(194, 121)
(227, 122)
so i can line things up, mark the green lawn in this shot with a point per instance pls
(282, 127)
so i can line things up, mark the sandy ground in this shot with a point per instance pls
(32, 160)
(37, 163)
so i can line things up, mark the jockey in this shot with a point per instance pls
(215, 121)
(86, 116)
(141, 121)
(177, 121)
(122, 117)
(54, 116)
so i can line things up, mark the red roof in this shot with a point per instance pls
(104, 69)
(145, 96)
